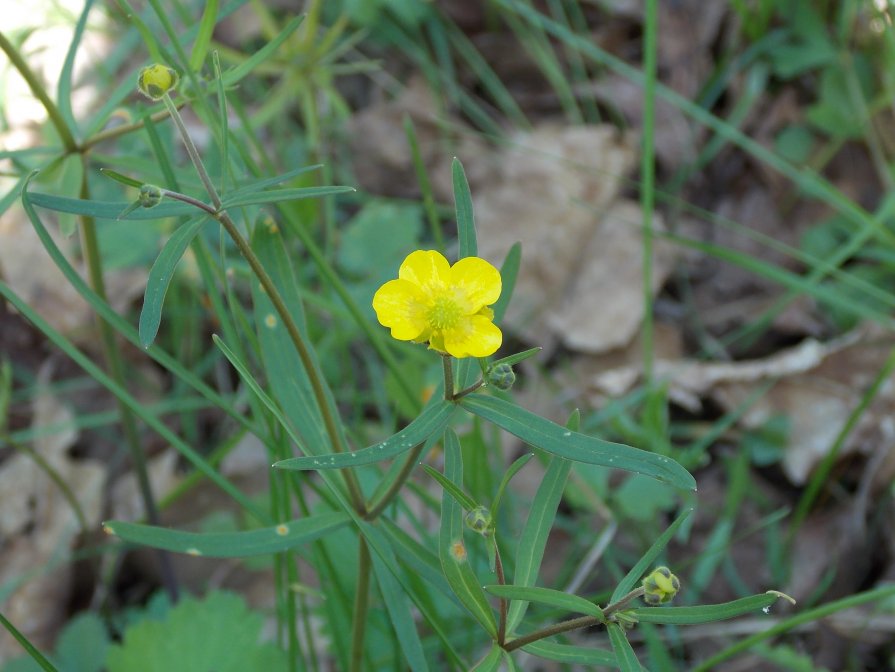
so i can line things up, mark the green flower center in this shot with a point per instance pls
(444, 313)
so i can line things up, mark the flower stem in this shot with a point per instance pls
(448, 377)
(375, 509)
(469, 390)
(53, 113)
(276, 299)
(574, 623)
(501, 579)
(361, 603)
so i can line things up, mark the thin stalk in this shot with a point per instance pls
(574, 623)
(647, 182)
(273, 294)
(115, 365)
(501, 580)
(469, 390)
(375, 509)
(36, 655)
(118, 131)
(54, 475)
(53, 113)
(361, 604)
(448, 377)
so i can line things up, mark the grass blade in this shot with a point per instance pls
(203, 38)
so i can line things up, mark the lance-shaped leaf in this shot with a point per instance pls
(567, 653)
(230, 544)
(548, 596)
(555, 439)
(706, 613)
(432, 420)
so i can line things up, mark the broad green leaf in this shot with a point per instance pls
(533, 541)
(232, 76)
(431, 421)
(455, 491)
(491, 662)
(553, 438)
(160, 276)
(110, 209)
(465, 218)
(216, 633)
(548, 596)
(203, 38)
(83, 643)
(706, 613)
(279, 195)
(626, 585)
(396, 602)
(567, 653)
(624, 654)
(451, 548)
(230, 544)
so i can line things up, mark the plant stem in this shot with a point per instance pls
(647, 183)
(273, 294)
(53, 113)
(501, 579)
(574, 623)
(36, 655)
(375, 509)
(361, 603)
(448, 377)
(115, 365)
(469, 390)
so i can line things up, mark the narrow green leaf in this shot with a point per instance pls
(160, 276)
(706, 613)
(279, 195)
(533, 541)
(257, 390)
(514, 468)
(465, 217)
(567, 653)
(509, 271)
(110, 209)
(626, 585)
(275, 539)
(548, 596)
(451, 548)
(553, 438)
(464, 500)
(624, 654)
(63, 91)
(231, 77)
(203, 39)
(396, 601)
(118, 177)
(431, 421)
(518, 357)
(491, 662)
(418, 557)
(260, 185)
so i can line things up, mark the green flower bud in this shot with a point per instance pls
(150, 195)
(479, 520)
(157, 80)
(660, 587)
(501, 376)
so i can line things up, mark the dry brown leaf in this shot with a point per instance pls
(553, 191)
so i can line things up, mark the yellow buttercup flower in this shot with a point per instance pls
(442, 304)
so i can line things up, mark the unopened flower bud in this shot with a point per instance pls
(150, 195)
(157, 80)
(660, 587)
(479, 520)
(502, 376)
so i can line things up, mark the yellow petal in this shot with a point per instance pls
(401, 306)
(477, 283)
(427, 269)
(475, 336)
